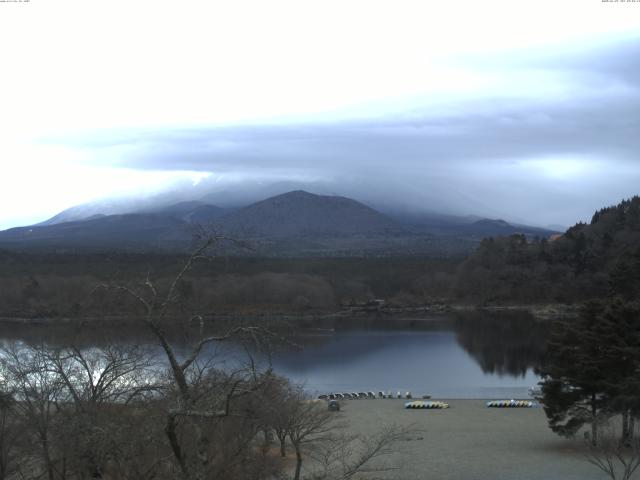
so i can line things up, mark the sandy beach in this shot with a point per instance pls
(471, 441)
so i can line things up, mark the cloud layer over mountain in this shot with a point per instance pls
(525, 112)
(546, 153)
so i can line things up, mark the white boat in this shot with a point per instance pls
(535, 391)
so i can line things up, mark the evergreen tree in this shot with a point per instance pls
(620, 335)
(573, 381)
(592, 369)
(624, 279)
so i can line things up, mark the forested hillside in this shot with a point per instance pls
(588, 261)
(63, 285)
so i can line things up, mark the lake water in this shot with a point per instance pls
(475, 356)
(470, 355)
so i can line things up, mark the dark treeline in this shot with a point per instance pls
(588, 261)
(584, 263)
(591, 364)
(53, 285)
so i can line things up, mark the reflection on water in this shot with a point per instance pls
(502, 343)
(460, 356)
(470, 355)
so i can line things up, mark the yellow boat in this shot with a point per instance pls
(423, 404)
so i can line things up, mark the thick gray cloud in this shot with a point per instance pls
(541, 158)
(500, 131)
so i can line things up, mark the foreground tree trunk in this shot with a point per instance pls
(47, 460)
(194, 452)
(628, 425)
(283, 447)
(594, 421)
(296, 475)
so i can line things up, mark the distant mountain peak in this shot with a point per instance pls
(491, 222)
(180, 207)
(304, 195)
(302, 213)
(298, 193)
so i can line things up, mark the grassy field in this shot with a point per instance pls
(472, 442)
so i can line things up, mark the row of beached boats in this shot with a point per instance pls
(423, 404)
(511, 404)
(367, 395)
(435, 404)
(429, 405)
(417, 404)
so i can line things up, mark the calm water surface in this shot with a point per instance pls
(471, 355)
(460, 357)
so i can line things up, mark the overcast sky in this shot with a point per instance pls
(528, 111)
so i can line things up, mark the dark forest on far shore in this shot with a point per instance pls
(587, 262)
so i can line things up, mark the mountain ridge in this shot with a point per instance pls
(302, 213)
(295, 222)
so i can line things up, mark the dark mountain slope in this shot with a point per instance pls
(291, 224)
(180, 209)
(493, 228)
(300, 213)
(468, 226)
(133, 231)
(205, 214)
(193, 212)
(73, 214)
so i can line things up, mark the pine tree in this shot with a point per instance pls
(620, 334)
(592, 369)
(624, 279)
(574, 384)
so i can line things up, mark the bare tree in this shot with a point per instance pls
(37, 393)
(614, 455)
(100, 375)
(310, 424)
(347, 456)
(318, 438)
(199, 393)
(10, 433)
(281, 403)
(111, 412)
(316, 432)
(98, 383)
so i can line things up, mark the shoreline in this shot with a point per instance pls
(470, 441)
(415, 313)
